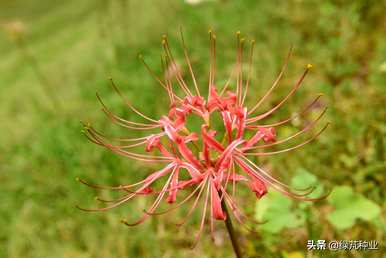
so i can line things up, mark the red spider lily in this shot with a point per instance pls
(211, 167)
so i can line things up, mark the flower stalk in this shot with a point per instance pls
(231, 231)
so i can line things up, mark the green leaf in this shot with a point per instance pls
(350, 206)
(275, 210)
(304, 179)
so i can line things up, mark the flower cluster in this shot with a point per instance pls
(210, 162)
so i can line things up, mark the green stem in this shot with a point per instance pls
(231, 231)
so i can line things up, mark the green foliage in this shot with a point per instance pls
(279, 211)
(275, 210)
(350, 206)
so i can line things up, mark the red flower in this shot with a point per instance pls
(211, 167)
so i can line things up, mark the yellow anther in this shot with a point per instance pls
(309, 66)
(185, 130)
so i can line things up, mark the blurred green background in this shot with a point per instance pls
(54, 56)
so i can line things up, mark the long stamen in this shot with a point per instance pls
(156, 77)
(286, 191)
(214, 59)
(275, 83)
(127, 102)
(194, 204)
(168, 82)
(99, 141)
(168, 78)
(124, 123)
(234, 209)
(138, 192)
(113, 200)
(239, 81)
(299, 114)
(212, 63)
(167, 88)
(211, 215)
(289, 149)
(114, 117)
(203, 216)
(154, 205)
(234, 182)
(137, 156)
(187, 59)
(108, 207)
(104, 187)
(294, 89)
(261, 174)
(117, 120)
(120, 139)
(305, 129)
(131, 155)
(200, 186)
(129, 146)
(227, 83)
(142, 157)
(124, 187)
(180, 80)
(108, 112)
(226, 184)
(240, 217)
(308, 199)
(249, 72)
